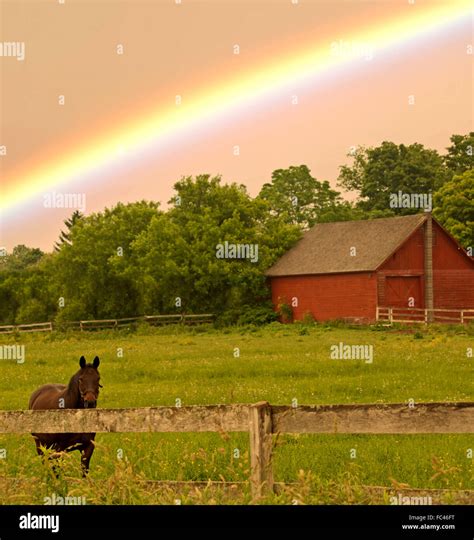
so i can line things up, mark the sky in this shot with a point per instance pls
(108, 101)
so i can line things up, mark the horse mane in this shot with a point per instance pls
(73, 387)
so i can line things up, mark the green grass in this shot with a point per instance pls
(277, 364)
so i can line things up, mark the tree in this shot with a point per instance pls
(454, 207)
(178, 253)
(133, 259)
(460, 156)
(21, 258)
(25, 287)
(376, 173)
(301, 199)
(92, 273)
(65, 236)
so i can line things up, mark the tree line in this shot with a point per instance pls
(136, 258)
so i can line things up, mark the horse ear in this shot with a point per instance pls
(82, 362)
(96, 362)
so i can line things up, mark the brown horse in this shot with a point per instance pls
(82, 392)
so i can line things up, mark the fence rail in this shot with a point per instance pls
(261, 420)
(36, 327)
(107, 324)
(420, 315)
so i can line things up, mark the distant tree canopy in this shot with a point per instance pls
(65, 236)
(460, 155)
(454, 207)
(21, 258)
(376, 173)
(136, 259)
(301, 199)
(177, 252)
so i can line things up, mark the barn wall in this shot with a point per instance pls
(409, 258)
(328, 296)
(453, 274)
(407, 261)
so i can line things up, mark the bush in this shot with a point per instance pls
(227, 318)
(308, 318)
(247, 315)
(285, 311)
(257, 315)
(32, 311)
(74, 310)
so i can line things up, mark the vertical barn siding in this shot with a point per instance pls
(328, 296)
(408, 260)
(453, 274)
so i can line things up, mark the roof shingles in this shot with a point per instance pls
(327, 247)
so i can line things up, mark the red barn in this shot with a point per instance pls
(348, 269)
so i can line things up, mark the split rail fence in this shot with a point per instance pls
(109, 324)
(260, 420)
(420, 315)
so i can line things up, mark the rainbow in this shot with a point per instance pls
(161, 124)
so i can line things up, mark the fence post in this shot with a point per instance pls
(462, 316)
(261, 429)
(390, 315)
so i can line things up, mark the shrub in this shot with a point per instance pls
(258, 315)
(285, 311)
(74, 310)
(32, 311)
(308, 318)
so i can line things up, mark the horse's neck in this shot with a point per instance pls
(72, 396)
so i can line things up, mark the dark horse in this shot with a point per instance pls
(82, 392)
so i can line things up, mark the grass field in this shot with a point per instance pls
(275, 363)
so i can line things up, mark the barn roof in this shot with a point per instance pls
(326, 247)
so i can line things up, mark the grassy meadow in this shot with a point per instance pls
(278, 363)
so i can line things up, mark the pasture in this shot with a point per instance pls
(279, 364)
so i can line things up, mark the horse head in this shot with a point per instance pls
(89, 382)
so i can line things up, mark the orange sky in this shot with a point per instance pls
(173, 49)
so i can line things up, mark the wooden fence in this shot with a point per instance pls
(107, 324)
(35, 327)
(261, 420)
(420, 315)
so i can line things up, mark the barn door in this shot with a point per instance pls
(399, 290)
